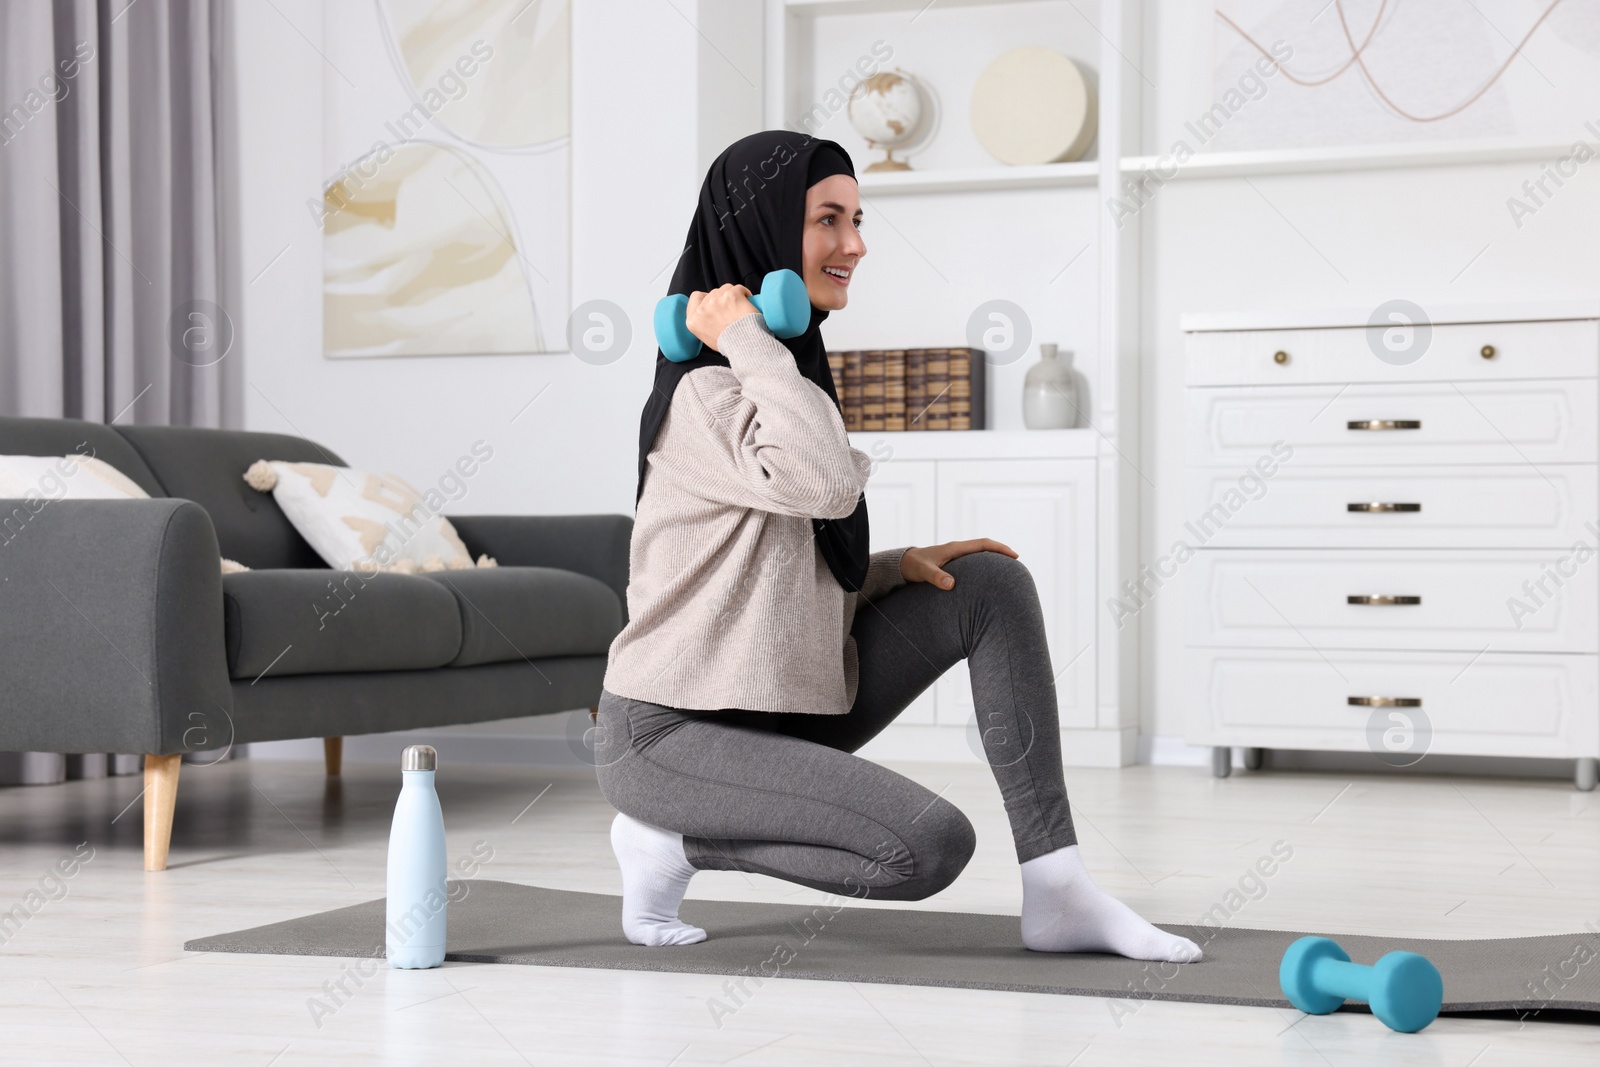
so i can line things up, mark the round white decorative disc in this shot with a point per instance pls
(1033, 105)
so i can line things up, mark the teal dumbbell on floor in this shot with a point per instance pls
(1403, 988)
(782, 302)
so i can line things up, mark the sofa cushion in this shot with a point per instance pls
(65, 437)
(328, 622)
(207, 466)
(513, 613)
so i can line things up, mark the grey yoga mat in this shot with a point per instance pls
(502, 922)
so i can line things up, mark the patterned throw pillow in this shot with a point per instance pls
(38, 480)
(58, 478)
(360, 521)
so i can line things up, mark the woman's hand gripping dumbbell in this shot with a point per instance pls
(686, 322)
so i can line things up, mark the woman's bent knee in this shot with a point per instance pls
(991, 570)
(942, 855)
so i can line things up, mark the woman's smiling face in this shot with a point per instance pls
(832, 245)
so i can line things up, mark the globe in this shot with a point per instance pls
(887, 110)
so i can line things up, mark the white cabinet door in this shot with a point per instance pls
(900, 508)
(1043, 508)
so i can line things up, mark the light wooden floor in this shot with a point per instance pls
(99, 976)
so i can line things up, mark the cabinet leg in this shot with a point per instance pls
(1254, 758)
(1221, 761)
(1588, 774)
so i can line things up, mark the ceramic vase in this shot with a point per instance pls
(1049, 392)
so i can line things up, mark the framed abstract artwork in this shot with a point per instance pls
(444, 213)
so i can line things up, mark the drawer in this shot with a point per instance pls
(1424, 422)
(1459, 507)
(1567, 348)
(1497, 704)
(1462, 600)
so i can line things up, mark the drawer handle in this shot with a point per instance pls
(1280, 358)
(1487, 351)
(1383, 600)
(1384, 702)
(1383, 506)
(1384, 424)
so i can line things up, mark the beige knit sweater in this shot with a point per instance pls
(730, 603)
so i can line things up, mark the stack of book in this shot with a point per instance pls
(910, 388)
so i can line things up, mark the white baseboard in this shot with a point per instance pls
(536, 741)
(956, 744)
(912, 743)
(560, 744)
(469, 746)
(460, 751)
(1176, 752)
(1100, 748)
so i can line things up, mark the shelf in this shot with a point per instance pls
(977, 444)
(1336, 318)
(977, 179)
(1214, 165)
(1355, 157)
(815, 8)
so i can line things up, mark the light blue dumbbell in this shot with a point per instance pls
(1403, 988)
(782, 302)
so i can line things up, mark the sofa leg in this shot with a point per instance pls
(333, 755)
(594, 713)
(160, 798)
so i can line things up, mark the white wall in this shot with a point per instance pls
(643, 129)
(635, 174)
(729, 82)
(636, 171)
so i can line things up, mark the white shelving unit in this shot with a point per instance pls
(1066, 500)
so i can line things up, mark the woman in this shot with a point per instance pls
(765, 645)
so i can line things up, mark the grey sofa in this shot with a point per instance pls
(118, 633)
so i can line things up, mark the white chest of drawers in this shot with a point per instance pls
(1395, 535)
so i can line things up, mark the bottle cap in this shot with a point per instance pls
(419, 758)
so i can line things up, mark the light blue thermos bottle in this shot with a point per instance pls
(418, 897)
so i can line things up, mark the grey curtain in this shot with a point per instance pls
(110, 280)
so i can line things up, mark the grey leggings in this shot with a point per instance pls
(780, 793)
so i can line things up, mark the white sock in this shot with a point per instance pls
(655, 875)
(1064, 911)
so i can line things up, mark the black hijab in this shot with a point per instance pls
(751, 220)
